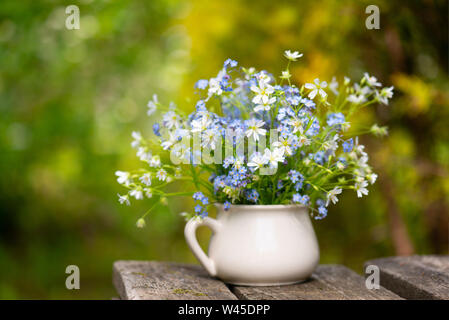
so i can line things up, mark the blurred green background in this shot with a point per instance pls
(69, 100)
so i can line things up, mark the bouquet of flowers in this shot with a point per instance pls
(255, 138)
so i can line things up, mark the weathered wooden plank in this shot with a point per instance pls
(415, 277)
(328, 282)
(151, 280)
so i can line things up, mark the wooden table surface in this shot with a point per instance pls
(417, 277)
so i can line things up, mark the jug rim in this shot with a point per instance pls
(262, 206)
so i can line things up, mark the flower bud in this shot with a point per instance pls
(140, 223)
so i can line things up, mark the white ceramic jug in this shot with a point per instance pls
(258, 245)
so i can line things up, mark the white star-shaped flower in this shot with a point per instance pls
(332, 195)
(360, 188)
(146, 179)
(384, 95)
(214, 87)
(137, 193)
(161, 174)
(292, 56)
(263, 92)
(273, 157)
(123, 177)
(152, 105)
(266, 106)
(124, 199)
(371, 80)
(317, 88)
(257, 161)
(171, 119)
(255, 129)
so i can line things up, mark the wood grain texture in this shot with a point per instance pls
(328, 282)
(415, 277)
(151, 280)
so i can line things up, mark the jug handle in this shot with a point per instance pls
(192, 242)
